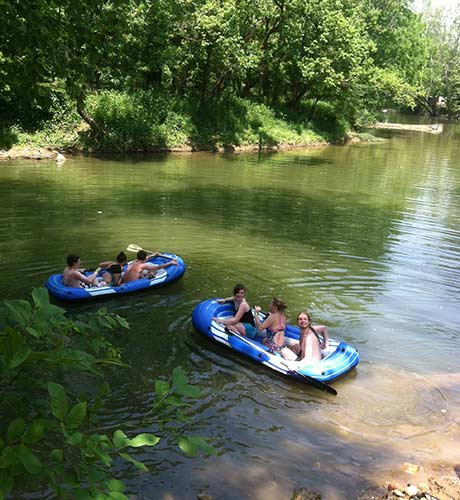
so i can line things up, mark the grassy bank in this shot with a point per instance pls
(148, 121)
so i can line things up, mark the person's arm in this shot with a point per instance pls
(322, 330)
(235, 319)
(154, 267)
(106, 264)
(89, 280)
(224, 301)
(268, 321)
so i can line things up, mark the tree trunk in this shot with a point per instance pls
(95, 127)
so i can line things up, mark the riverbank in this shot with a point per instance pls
(150, 123)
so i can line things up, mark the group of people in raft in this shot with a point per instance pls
(271, 331)
(114, 273)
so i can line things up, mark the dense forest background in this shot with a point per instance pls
(133, 74)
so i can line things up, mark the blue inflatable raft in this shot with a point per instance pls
(338, 358)
(163, 277)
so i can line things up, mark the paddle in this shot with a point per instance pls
(135, 248)
(312, 381)
(315, 383)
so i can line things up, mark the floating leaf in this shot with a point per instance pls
(59, 402)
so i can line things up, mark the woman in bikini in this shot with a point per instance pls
(113, 270)
(243, 321)
(274, 324)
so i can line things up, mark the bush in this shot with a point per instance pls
(48, 431)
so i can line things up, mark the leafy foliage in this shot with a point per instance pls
(48, 431)
(146, 59)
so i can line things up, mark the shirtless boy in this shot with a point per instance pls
(72, 276)
(135, 270)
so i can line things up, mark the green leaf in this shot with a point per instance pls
(179, 377)
(59, 402)
(32, 332)
(105, 457)
(117, 495)
(19, 356)
(35, 431)
(75, 438)
(175, 401)
(115, 485)
(40, 297)
(76, 415)
(80, 494)
(161, 387)
(8, 457)
(6, 483)
(16, 429)
(188, 391)
(57, 455)
(128, 458)
(144, 440)
(15, 349)
(120, 439)
(28, 459)
(20, 310)
(193, 446)
(96, 475)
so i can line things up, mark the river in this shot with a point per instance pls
(365, 236)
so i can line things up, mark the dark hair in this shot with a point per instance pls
(141, 255)
(121, 257)
(279, 304)
(72, 259)
(238, 287)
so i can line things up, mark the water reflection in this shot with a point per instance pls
(365, 236)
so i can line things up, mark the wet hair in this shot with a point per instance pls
(72, 259)
(238, 287)
(141, 255)
(279, 304)
(121, 257)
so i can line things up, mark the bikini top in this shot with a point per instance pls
(280, 328)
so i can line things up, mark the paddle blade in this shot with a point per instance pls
(133, 248)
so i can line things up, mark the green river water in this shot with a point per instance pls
(366, 236)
